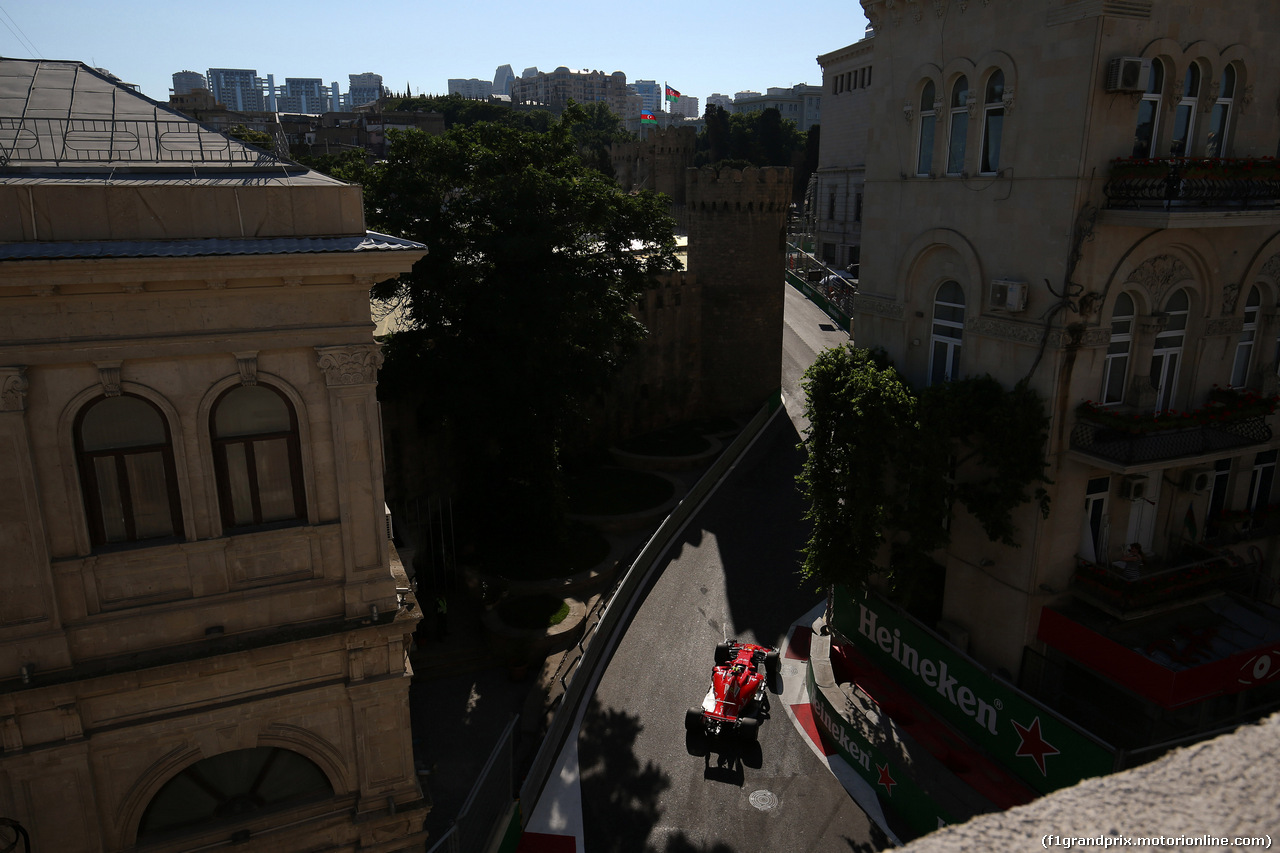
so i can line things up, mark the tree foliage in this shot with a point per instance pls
(260, 138)
(885, 464)
(520, 312)
(763, 138)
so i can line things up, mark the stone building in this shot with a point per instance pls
(656, 163)
(554, 89)
(201, 641)
(714, 342)
(1008, 232)
(835, 201)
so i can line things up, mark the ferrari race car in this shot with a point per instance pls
(738, 696)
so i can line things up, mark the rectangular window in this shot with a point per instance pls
(1217, 496)
(831, 205)
(1264, 472)
(955, 146)
(1093, 541)
(924, 162)
(991, 134)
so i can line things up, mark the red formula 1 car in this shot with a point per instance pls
(738, 697)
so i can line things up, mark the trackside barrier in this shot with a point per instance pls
(483, 813)
(616, 612)
(836, 302)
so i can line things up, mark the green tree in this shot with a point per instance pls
(520, 312)
(597, 130)
(260, 138)
(886, 464)
(714, 139)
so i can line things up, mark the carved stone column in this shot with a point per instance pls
(351, 374)
(28, 607)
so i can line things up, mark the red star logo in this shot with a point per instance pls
(1034, 745)
(885, 778)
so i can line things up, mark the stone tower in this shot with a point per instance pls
(737, 240)
(657, 163)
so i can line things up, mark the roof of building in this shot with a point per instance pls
(63, 120)
(371, 241)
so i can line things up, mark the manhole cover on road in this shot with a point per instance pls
(764, 800)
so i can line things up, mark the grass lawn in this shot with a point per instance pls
(534, 612)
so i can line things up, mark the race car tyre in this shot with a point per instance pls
(749, 729)
(724, 653)
(693, 721)
(771, 663)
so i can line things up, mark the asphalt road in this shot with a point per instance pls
(731, 574)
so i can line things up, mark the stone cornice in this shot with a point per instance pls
(877, 305)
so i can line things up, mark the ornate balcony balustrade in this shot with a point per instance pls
(1127, 448)
(1227, 421)
(1193, 183)
(1162, 584)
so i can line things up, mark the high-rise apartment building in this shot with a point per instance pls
(554, 89)
(687, 106)
(186, 82)
(362, 89)
(239, 89)
(502, 80)
(650, 92)
(473, 89)
(303, 95)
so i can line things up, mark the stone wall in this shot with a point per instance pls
(737, 240)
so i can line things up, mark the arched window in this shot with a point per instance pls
(257, 457)
(928, 120)
(1215, 144)
(127, 472)
(992, 124)
(1117, 365)
(1167, 352)
(948, 329)
(1149, 113)
(232, 786)
(1244, 349)
(1184, 117)
(959, 126)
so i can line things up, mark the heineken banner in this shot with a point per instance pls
(895, 787)
(1016, 731)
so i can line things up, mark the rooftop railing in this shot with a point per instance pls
(31, 141)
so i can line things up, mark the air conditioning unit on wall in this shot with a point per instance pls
(1128, 74)
(1133, 487)
(1196, 479)
(1008, 295)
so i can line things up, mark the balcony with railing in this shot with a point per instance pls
(1187, 183)
(1228, 420)
(1190, 574)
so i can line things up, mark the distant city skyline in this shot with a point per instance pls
(409, 44)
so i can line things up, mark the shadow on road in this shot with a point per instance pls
(614, 782)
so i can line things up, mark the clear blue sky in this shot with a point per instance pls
(698, 48)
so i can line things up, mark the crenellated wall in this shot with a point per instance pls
(657, 163)
(737, 240)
